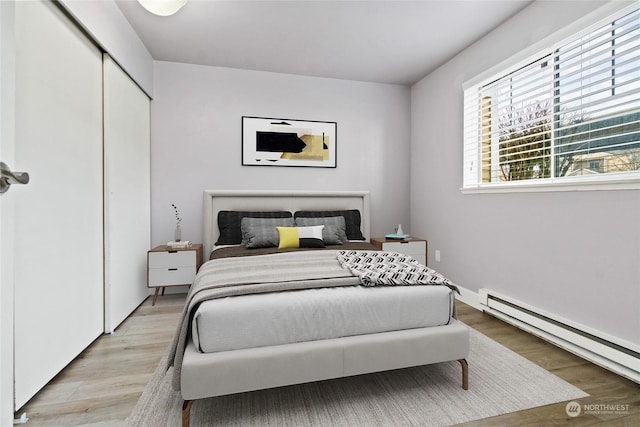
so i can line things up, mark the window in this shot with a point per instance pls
(570, 115)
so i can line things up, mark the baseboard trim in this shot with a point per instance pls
(469, 297)
(472, 299)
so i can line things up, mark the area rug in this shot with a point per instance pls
(500, 381)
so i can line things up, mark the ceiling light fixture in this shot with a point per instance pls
(162, 7)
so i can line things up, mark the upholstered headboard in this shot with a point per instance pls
(266, 200)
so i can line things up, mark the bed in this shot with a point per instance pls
(259, 317)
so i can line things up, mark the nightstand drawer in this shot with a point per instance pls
(171, 276)
(184, 258)
(416, 249)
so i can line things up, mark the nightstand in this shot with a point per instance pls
(414, 247)
(172, 267)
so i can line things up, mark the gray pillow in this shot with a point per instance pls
(334, 232)
(351, 218)
(229, 223)
(262, 232)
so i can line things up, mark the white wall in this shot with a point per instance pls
(575, 254)
(108, 27)
(196, 140)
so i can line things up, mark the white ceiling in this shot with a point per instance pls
(378, 41)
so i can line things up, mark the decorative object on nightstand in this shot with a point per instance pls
(398, 235)
(181, 244)
(177, 234)
(169, 266)
(412, 246)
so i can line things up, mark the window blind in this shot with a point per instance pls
(572, 112)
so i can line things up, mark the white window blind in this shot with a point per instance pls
(571, 114)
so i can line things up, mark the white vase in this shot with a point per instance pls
(177, 233)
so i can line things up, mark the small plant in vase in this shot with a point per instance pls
(178, 230)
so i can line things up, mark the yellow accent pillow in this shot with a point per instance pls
(289, 237)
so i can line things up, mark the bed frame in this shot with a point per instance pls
(207, 375)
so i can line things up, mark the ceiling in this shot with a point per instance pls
(396, 42)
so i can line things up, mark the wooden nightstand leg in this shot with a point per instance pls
(155, 297)
(162, 294)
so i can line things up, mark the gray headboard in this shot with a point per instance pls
(264, 200)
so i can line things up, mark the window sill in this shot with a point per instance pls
(609, 184)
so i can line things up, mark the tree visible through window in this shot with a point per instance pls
(574, 112)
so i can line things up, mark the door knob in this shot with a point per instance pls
(7, 178)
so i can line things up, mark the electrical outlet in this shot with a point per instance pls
(437, 255)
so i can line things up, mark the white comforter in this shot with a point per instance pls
(277, 318)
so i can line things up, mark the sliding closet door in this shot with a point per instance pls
(127, 193)
(7, 103)
(58, 218)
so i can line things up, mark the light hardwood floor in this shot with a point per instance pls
(103, 384)
(603, 386)
(101, 387)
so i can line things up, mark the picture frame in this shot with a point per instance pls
(268, 141)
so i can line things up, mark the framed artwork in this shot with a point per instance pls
(285, 142)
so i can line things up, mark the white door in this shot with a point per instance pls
(126, 193)
(7, 61)
(58, 253)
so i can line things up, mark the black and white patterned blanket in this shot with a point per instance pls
(375, 268)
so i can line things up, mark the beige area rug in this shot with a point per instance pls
(500, 381)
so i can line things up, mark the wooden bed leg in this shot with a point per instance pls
(465, 373)
(186, 412)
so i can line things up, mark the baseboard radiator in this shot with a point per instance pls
(609, 352)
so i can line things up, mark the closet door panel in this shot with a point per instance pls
(7, 138)
(127, 193)
(58, 220)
